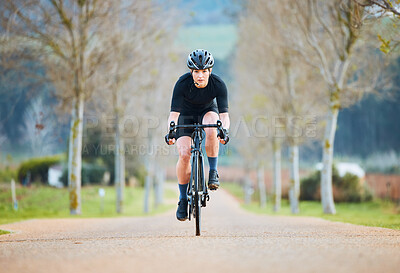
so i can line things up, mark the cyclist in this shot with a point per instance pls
(198, 97)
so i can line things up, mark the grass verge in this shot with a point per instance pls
(47, 202)
(3, 232)
(376, 213)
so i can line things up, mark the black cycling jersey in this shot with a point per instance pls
(187, 99)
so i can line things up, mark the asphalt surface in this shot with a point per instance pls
(232, 241)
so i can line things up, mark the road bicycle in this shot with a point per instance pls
(197, 191)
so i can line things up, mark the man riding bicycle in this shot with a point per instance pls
(198, 97)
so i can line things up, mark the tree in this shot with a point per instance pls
(282, 86)
(130, 53)
(256, 112)
(137, 87)
(300, 95)
(387, 6)
(151, 109)
(388, 35)
(66, 36)
(331, 40)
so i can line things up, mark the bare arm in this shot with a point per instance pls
(226, 122)
(173, 116)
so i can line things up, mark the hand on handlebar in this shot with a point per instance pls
(169, 141)
(170, 137)
(223, 136)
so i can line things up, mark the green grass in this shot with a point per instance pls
(376, 213)
(46, 202)
(219, 39)
(3, 232)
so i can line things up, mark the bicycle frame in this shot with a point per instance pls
(197, 191)
(197, 185)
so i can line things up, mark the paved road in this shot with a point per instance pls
(232, 241)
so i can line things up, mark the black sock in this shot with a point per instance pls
(213, 162)
(182, 190)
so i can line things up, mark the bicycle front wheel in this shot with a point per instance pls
(196, 196)
(197, 208)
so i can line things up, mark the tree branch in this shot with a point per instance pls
(327, 29)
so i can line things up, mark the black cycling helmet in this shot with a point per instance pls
(200, 59)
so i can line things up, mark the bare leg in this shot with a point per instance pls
(183, 174)
(183, 166)
(212, 143)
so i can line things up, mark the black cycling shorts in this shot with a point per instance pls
(190, 119)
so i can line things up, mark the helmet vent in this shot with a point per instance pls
(200, 59)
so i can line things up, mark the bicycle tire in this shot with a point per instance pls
(197, 204)
(191, 191)
(202, 182)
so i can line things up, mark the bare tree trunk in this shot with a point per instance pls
(277, 176)
(261, 186)
(155, 178)
(327, 201)
(119, 166)
(75, 156)
(159, 186)
(119, 160)
(248, 187)
(294, 191)
(326, 174)
(148, 184)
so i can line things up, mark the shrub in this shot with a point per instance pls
(92, 173)
(37, 167)
(7, 174)
(310, 187)
(345, 189)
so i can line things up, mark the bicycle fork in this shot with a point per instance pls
(197, 184)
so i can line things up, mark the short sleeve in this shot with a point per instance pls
(177, 98)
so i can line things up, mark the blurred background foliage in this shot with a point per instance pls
(367, 128)
(368, 132)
